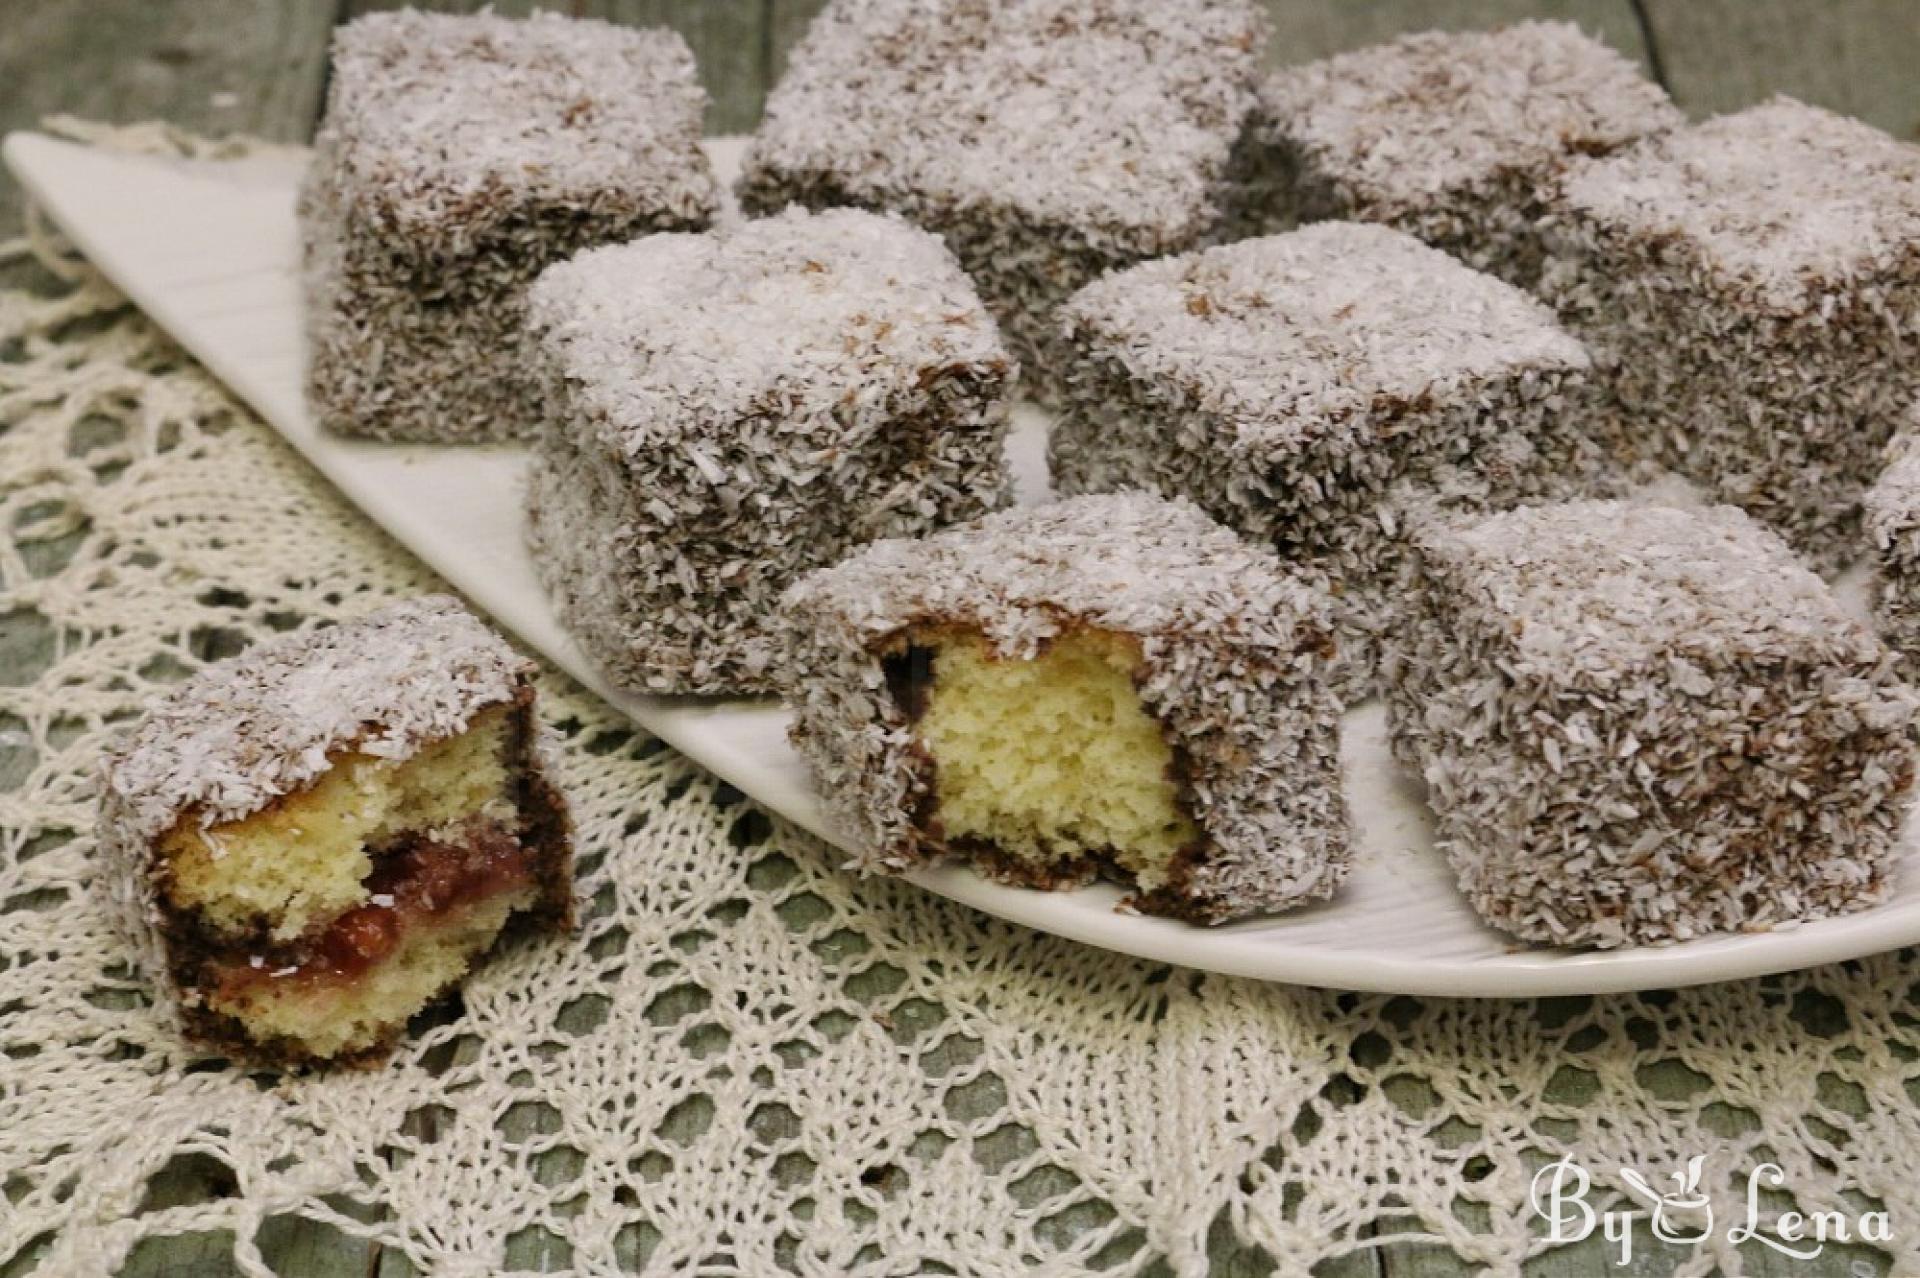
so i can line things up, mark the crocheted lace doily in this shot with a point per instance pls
(750, 1061)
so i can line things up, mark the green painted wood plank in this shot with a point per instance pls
(785, 25)
(211, 66)
(728, 39)
(1856, 56)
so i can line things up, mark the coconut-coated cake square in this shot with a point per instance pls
(1639, 724)
(458, 156)
(1459, 138)
(1109, 684)
(1738, 281)
(1307, 388)
(729, 410)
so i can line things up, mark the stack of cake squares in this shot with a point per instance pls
(1460, 139)
(1312, 390)
(459, 156)
(1047, 141)
(1351, 367)
(1749, 286)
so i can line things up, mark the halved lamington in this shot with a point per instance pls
(728, 411)
(1309, 389)
(1110, 684)
(459, 156)
(1048, 141)
(1644, 724)
(1741, 283)
(1460, 139)
(1892, 509)
(315, 840)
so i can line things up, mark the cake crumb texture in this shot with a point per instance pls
(1231, 672)
(1052, 760)
(305, 856)
(310, 841)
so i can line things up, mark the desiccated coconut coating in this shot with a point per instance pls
(1233, 662)
(1459, 139)
(244, 736)
(459, 156)
(1742, 284)
(730, 410)
(239, 735)
(1047, 140)
(1643, 724)
(1306, 388)
(1892, 516)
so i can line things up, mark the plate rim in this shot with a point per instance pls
(1524, 971)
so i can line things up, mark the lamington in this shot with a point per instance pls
(730, 410)
(1111, 684)
(1309, 389)
(1892, 510)
(1458, 138)
(311, 842)
(1744, 286)
(1048, 140)
(460, 155)
(1641, 724)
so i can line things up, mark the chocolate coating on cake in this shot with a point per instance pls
(1310, 389)
(1737, 281)
(1785, 201)
(733, 409)
(1458, 138)
(239, 734)
(249, 733)
(1048, 141)
(1233, 659)
(1642, 724)
(1892, 518)
(459, 155)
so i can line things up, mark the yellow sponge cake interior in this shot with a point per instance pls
(303, 859)
(321, 923)
(1051, 762)
(328, 1018)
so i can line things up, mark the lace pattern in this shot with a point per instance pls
(749, 1060)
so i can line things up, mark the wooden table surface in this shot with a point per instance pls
(259, 67)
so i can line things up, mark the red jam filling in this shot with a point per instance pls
(425, 880)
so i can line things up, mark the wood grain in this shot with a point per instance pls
(210, 66)
(786, 22)
(1861, 57)
(728, 39)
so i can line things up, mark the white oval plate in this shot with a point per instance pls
(208, 249)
